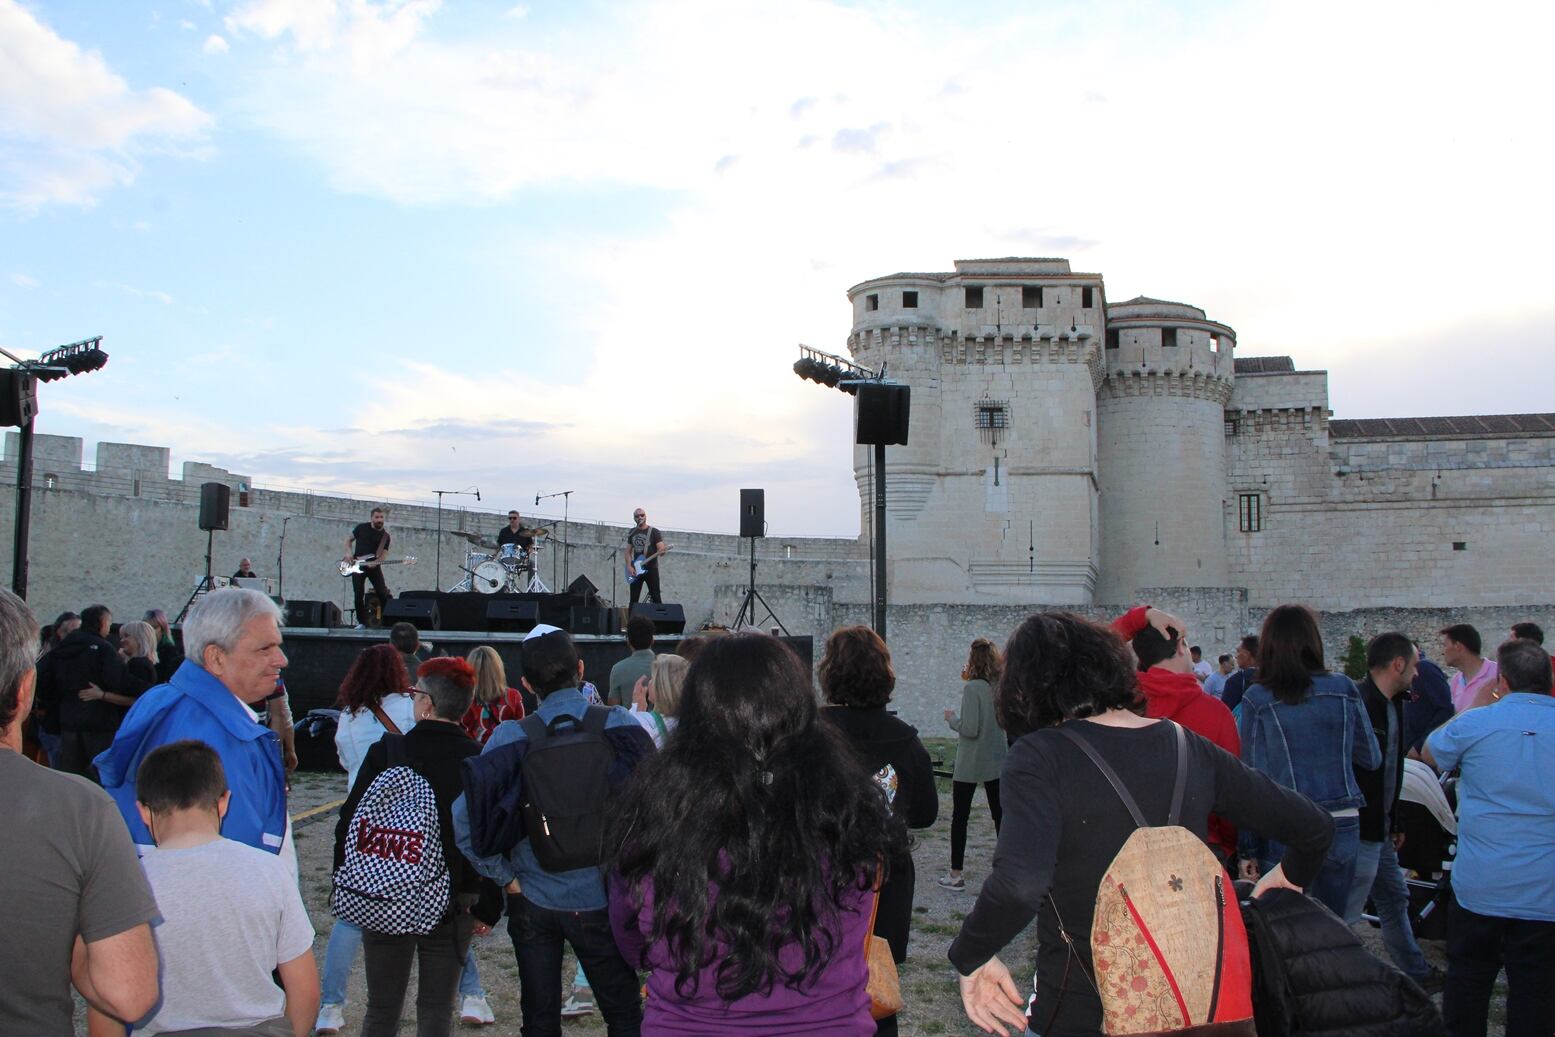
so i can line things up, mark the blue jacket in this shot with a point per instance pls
(1429, 705)
(495, 775)
(1313, 747)
(196, 705)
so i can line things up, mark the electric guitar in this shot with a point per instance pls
(361, 565)
(638, 567)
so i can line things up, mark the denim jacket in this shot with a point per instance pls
(1313, 747)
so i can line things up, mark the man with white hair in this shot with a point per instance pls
(77, 909)
(232, 644)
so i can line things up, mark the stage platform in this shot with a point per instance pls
(318, 658)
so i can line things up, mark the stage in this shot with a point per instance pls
(318, 658)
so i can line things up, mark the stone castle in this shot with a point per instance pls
(1063, 451)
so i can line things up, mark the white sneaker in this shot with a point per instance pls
(332, 1019)
(475, 1011)
(576, 1006)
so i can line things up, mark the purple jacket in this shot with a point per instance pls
(837, 1003)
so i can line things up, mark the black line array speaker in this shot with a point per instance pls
(303, 613)
(753, 513)
(215, 505)
(510, 616)
(421, 612)
(668, 617)
(882, 414)
(18, 397)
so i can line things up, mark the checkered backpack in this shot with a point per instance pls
(393, 879)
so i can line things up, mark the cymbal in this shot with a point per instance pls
(475, 538)
(537, 532)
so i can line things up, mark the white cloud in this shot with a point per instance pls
(214, 44)
(72, 127)
(22, 280)
(153, 294)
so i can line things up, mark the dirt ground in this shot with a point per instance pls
(928, 982)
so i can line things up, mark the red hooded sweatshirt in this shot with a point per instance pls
(1180, 697)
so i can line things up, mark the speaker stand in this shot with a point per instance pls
(747, 614)
(205, 584)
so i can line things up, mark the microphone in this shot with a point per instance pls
(477, 493)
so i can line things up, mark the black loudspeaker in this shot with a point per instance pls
(510, 616)
(668, 618)
(584, 588)
(882, 414)
(215, 504)
(753, 513)
(592, 619)
(302, 613)
(18, 397)
(422, 612)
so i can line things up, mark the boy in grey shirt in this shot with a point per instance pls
(232, 915)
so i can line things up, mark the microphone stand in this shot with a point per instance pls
(473, 491)
(566, 496)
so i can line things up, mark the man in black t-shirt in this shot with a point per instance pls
(369, 540)
(646, 542)
(245, 571)
(515, 533)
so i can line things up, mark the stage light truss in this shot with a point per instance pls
(831, 370)
(77, 358)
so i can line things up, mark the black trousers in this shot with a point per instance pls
(77, 750)
(961, 813)
(440, 957)
(651, 578)
(1478, 946)
(538, 933)
(359, 588)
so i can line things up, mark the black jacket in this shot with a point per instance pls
(880, 741)
(1377, 816)
(435, 749)
(82, 658)
(1312, 977)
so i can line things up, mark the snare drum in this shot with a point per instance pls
(490, 577)
(511, 555)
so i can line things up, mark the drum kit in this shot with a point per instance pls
(504, 568)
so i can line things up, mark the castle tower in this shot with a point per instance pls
(1161, 424)
(994, 500)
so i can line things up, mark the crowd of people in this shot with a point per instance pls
(723, 849)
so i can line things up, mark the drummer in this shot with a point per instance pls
(515, 533)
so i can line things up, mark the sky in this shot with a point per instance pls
(387, 248)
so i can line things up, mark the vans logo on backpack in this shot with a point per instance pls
(394, 844)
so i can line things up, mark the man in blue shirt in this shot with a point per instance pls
(546, 908)
(1503, 910)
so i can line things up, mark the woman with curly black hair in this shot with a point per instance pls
(744, 855)
(1068, 688)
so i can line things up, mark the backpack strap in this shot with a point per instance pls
(1180, 782)
(1069, 732)
(534, 729)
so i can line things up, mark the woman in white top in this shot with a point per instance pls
(656, 698)
(376, 690)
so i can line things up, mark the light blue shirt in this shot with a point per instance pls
(1506, 805)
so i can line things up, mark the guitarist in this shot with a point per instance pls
(645, 542)
(369, 540)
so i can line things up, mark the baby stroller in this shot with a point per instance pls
(1425, 816)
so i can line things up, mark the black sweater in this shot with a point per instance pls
(1377, 816)
(435, 749)
(1063, 824)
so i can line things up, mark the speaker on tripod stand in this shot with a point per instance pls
(753, 525)
(215, 513)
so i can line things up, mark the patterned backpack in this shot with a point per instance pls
(393, 878)
(1167, 939)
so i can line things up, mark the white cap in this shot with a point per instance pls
(541, 629)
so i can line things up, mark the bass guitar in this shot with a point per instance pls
(637, 568)
(361, 565)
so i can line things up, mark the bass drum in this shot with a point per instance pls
(490, 577)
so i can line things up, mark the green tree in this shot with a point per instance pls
(1355, 659)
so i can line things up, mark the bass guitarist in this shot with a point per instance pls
(369, 542)
(644, 544)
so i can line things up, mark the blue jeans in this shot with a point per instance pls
(50, 745)
(345, 940)
(1332, 885)
(1378, 875)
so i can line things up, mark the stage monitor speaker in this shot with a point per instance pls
(18, 397)
(584, 588)
(753, 513)
(593, 619)
(668, 617)
(315, 614)
(421, 612)
(511, 616)
(882, 414)
(215, 504)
